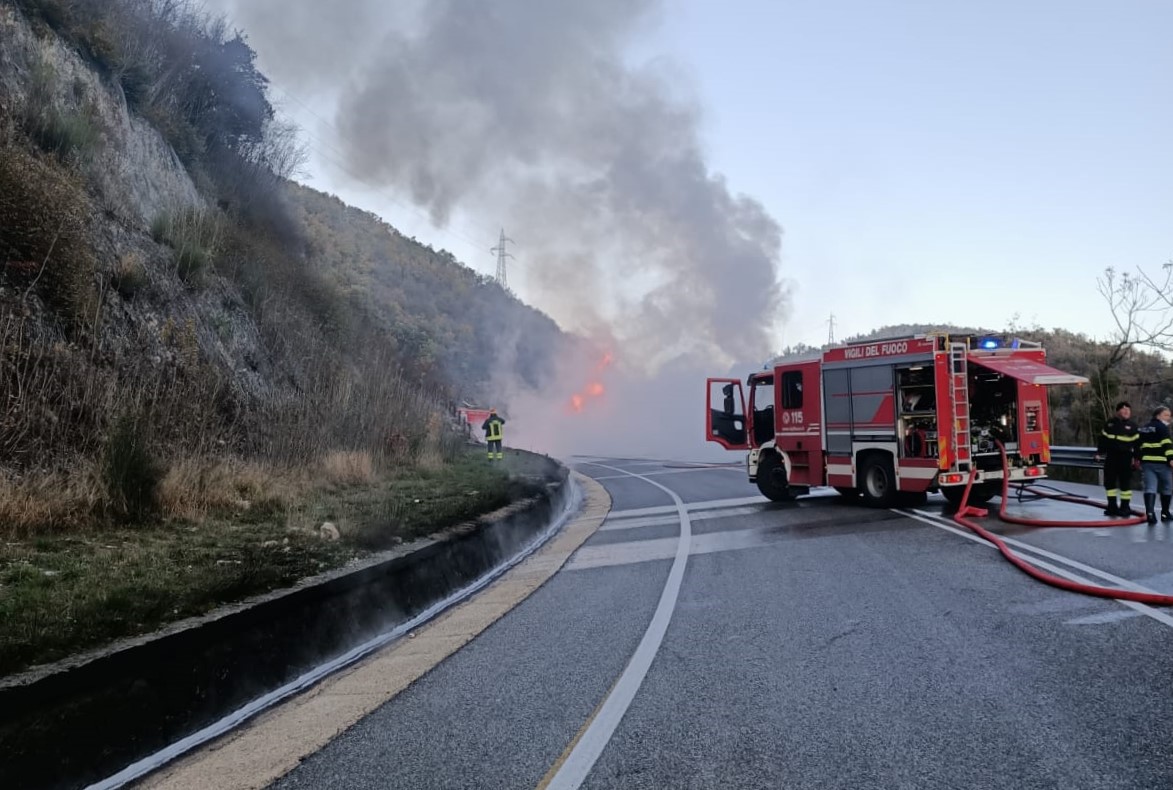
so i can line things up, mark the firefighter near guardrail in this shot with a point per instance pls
(1117, 446)
(1155, 453)
(892, 420)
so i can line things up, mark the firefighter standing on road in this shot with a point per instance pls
(1156, 460)
(1117, 447)
(493, 434)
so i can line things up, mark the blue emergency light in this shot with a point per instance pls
(989, 343)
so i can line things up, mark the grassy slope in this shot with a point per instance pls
(60, 594)
(239, 346)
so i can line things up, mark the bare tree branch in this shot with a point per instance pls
(1142, 310)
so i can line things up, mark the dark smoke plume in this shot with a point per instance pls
(530, 114)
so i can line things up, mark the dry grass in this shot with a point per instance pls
(130, 276)
(63, 592)
(194, 235)
(45, 246)
(51, 502)
(78, 500)
(431, 454)
(348, 468)
(194, 488)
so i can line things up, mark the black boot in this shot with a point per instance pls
(1111, 510)
(1165, 501)
(1150, 505)
(1125, 510)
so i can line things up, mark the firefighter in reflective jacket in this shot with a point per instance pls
(493, 434)
(1117, 447)
(1155, 454)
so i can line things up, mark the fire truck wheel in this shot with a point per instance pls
(772, 480)
(879, 482)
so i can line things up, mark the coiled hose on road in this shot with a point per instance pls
(965, 515)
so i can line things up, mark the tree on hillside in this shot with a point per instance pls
(1142, 311)
(1142, 307)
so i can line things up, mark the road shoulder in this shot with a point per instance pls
(273, 744)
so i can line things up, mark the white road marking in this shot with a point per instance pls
(636, 551)
(573, 772)
(692, 507)
(1103, 617)
(626, 553)
(675, 472)
(1147, 611)
(658, 521)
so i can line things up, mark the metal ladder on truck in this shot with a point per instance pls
(959, 400)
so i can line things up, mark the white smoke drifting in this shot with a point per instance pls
(528, 113)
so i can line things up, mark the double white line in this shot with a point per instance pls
(1040, 557)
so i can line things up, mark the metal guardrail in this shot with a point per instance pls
(1075, 457)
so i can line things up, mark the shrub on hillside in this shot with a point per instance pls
(171, 56)
(71, 135)
(196, 80)
(129, 471)
(130, 277)
(44, 223)
(194, 237)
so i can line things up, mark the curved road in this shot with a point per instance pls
(809, 645)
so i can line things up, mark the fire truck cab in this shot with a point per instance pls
(892, 420)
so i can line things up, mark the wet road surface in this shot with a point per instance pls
(807, 645)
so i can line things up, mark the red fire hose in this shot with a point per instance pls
(965, 514)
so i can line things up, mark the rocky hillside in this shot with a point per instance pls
(167, 295)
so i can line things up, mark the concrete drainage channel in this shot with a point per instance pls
(114, 718)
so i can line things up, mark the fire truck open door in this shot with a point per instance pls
(725, 421)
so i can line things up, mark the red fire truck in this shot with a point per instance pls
(892, 420)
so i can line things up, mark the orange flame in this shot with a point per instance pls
(595, 389)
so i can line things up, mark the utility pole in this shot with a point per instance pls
(502, 255)
(831, 330)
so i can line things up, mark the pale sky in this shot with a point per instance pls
(928, 161)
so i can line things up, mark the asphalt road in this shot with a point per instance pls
(810, 645)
